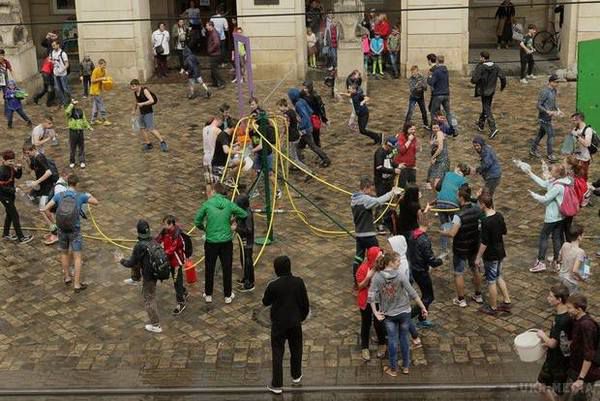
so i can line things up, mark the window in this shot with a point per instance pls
(63, 6)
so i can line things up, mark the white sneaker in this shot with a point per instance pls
(228, 300)
(207, 298)
(153, 328)
(130, 281)
(461, 303)
(477, 298)
(297, 381)
(539, 266)
(274, 390)
(82, 165)
(72, 165)
(531, 76)
(524, 81)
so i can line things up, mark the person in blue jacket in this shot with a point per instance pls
(440, 87)
(377, 52)
(489, 168)
(305, 125)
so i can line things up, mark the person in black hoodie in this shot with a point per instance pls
(319, 116)
(139, 263)
(288, 299)
(440, 88)
(485, 76)
(191, 67)
(245, 229)
(9, 172)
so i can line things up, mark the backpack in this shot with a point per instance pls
(67, 212)
(188, 246)
(595, 144)
(77, 114)
(570, 203)
(160, 268)
(154, 97)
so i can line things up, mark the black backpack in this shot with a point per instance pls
(67, 212)
(595, 144)
(77, 113)
(160, 268)
(188, 246)
(154, 97)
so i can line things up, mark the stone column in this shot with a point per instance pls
(124, 45)
(349, 55)
(582, 22)
(15, 40)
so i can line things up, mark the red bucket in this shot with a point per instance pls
(190, 272)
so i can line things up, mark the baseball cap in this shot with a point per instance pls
(391, 140)
(553, 78)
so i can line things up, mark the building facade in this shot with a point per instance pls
(278, 42)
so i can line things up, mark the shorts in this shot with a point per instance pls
(147, 121)
(70, 241)
(217, 173)
(556, 378)
(460, 262)
(258, 163)
(493, 270)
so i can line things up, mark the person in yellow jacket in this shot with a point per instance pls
(99, 79)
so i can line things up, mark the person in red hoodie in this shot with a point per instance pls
(48, 79)
(383, 28)
(407, 154)
(363, 277)
(172, 241)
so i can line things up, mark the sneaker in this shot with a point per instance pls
(381, 351)
(539, 266)
(534, 153)
(459, 302)
(524, 81)
(146, 147)
(95, 122)
(106, 123)
(325, 163)
(72, 165)
(130, 281)
(598, 254)
(531, 76)
(207, 298)
(487, 310)
(82, 165)
(424, 324)
(477, 298)
(504, 307)
(552, 159)
(247, 289)
(11, 237)
(164, 147)
(365, 354)
(25, 239)
(50, 239)
(494, 133)
(274, 390)
(82, 287)
(279, 194)
(153, 328)
(229, 299)
(297, 381)
(480, 127)
(179, 309)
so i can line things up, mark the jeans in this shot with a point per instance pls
(61, 87)
(394, 62)
(149, 294)
(76, 141)
(180, 291)
(439, 101)
(397, 331)
(446, 224)
(293, 154)
(20, 112)
(366, 317)
(362, 244)
(309, 140)
(98, 109)
(412, 101)
(223, 47)
(363, 120)
(556, 230)
(214, 71)
(491, 184)
(547, 130)
(293, 335)
(248, 266)
(87, 81)
(423, 280)
(332, 57)
(47, 89)
(527, 63)
(212, 251)
(12, 217)
(486, 113)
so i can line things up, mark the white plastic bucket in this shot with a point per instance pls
(529, 346)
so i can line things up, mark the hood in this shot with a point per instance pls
(294, 95)
(479, 140)
(282, 266)
(308, 84)
(372, 254)
(417, 233)
(564, 180)
(488, 64)
(219, 201)
(398, 243)
(357, 198)
(390, 274)
(442, 68)
(243, 201)
(186, 52)
(11, 83)
(143, 230)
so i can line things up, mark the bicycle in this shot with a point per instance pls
(545, 42)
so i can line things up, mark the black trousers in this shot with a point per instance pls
(308, 140)
(12, 217)
(486, 113)
(527, 64)
(87, 81)
(179, 57)
(248, 267)
(423, 280)
(293, 335)
(363, 120)
(76, 142)
(180, 290)
(47, 89)
(214, 71)
(366, 318)
(212, 251)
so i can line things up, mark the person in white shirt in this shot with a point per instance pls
(160, 47)
(43, 133)
(60, 64)
(209, 139)
(221, 26)
(583, 139)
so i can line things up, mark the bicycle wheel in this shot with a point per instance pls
(543, 42)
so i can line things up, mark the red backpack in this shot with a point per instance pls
(570, 203)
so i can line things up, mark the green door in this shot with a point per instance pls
(588, 81)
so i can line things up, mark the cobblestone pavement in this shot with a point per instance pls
(50, 337)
